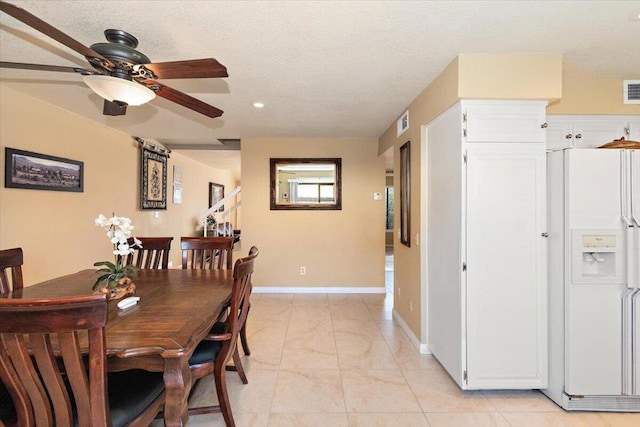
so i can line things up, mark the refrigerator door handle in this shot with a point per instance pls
(624, 189)
(635, 349)
(635, 216)
(627, 349)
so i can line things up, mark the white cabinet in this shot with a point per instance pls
(589, 131)
(487, 318)
(504, 121)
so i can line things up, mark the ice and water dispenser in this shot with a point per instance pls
(598, 256)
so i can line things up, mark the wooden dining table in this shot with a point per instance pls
(176, 310)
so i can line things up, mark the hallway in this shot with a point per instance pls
(340, 360)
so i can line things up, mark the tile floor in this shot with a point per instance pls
(340, 360)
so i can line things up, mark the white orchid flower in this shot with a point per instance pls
(123, 249)
(101, 220)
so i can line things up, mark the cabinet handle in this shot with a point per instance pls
(568, 136)
(544, 125)
(578, 136)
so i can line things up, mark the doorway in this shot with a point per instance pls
(389, 219)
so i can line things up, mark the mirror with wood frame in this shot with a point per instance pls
(306, 184)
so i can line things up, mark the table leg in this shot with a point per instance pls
(177, 381)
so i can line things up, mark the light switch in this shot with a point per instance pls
(377, 196)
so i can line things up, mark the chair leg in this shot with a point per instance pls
(238, 362)
(243, 340)
(223, 395)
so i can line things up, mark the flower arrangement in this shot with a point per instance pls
(116, 273)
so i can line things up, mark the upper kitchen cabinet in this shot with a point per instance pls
(504, 121)
(589, 131)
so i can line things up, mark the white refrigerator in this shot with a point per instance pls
(594, 279)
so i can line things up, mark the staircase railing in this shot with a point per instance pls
(222, 217)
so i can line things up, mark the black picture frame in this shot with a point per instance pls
(153, 180)
(36, 171)
(405, 194)
(216, 193)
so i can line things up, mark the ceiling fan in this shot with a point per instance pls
(122, 75)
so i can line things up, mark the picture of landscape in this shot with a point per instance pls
(24, 169)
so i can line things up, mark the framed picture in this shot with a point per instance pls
(153, 191)
(177, 174)
(216, 193)
(34, 171)
(177, 194)
(405, 194)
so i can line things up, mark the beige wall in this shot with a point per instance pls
(342, 248)
(56, 229)
(584, 92)
(510, 76)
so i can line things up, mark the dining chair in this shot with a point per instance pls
(11, 260)
(213, 353)
(207, 252)
(237, 362)
(59, 385)
(154, 252)
(253, 252)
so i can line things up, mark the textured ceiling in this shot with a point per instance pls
(323, 68)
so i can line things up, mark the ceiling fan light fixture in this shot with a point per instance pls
(116, 89)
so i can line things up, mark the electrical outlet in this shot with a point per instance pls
(303, 271)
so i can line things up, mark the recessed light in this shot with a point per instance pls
(258, 104)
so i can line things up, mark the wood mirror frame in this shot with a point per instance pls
(327, 181)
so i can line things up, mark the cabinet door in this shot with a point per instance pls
(634, 130)
(559, 133)
(594, 132)
(505, 121)
(506, 266)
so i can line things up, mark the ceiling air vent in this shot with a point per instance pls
(631, 89)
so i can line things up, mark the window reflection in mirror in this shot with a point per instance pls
(306, 183)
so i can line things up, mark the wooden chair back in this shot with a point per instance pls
(154, 253)
(11, 261)
(44, 390)
(207, 252)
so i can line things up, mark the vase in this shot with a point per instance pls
(123, 288)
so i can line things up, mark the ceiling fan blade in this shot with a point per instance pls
(40, 67)
(183, 99)
(49, 30)
(191, 69)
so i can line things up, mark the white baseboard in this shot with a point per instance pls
(317, 290)
(422, 348)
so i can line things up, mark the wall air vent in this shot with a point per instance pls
(403, 123)
(631, 89)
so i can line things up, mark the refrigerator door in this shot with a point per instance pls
(595, 273)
